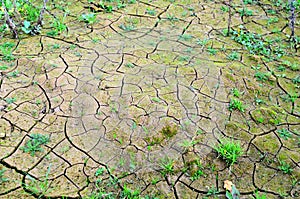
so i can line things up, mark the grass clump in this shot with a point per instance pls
(229, 150)
(34, 144)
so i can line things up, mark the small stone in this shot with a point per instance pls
(2, 108)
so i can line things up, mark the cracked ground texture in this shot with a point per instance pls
(135, 104)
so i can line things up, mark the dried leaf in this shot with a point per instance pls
(228, 185)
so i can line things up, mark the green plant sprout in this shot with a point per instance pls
(234, 56)
(40, 188)
(236, 92)
(150, 12)
(259, 196)
(285, 167)
(185, 37)
(58, 27)
(89, 18)
(99, 171)
(236, 104)
(229, 150)
(13, 74)
(6, 51)
(245, 12)
(260, 76)
(11, 100)
(202, 42)
(128, 193)
(4, 67)
(224, 8)
(212, 191)
(2, 178)
(195, 175)
(34, 144)
(212, 51)
(129, 65)
(167, 166)
(127, 27)
(284, 133)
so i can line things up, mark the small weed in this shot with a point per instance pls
(272, 20)
(199, 171)
(259, 101)
(289, 97)
(150, 12)
(30, 12)
(296, 80)
(199, 132)
(188, 50)
(34, 144)
(4, 67)
(2, 178)
(183, 58)
(77, 54)
(233, 56)
(260, 76)
(121, 5)
(202, 42)
(285, 167)
(172, 18)
(11, 100)
(55, 46)
(260, 120)
(40, 188)
(258, 196)
(58, 27)
(236, 104)
(155, 99)
(13, 74)
(185, 37)
(212, 191)
(224, 8)
(129, 65)
(127, 27)
(99, 172)
(212, 51)
(245, 12)
(187, 144)
(197, 174)
(235, 92)
(154, 181)
(284, 133)
(128, 193)
(89, 18)
(6, 51)
(107, 8)
(295, 67)
(281, 68)
(229, 150)
(251, 2)
(167, 166)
